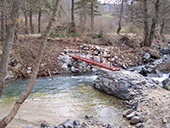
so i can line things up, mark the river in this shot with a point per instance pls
(56, 99)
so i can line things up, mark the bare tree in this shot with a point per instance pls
(30, 10)
(146, 23)
(26, 16)
(92, 15)
(5, 121)
(8, 42)
(39, 17)
(120, 18)
(154, 22)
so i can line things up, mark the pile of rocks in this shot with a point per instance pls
(89, 123)
(122, 84)
(135, 118)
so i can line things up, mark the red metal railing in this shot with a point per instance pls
(92, 61)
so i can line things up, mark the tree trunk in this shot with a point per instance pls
(154, 22)
(3, 28)
(26, 18)
(72, 14)
(92, 15)
(30, 85)
(73, 26)
(84, 15)
(8, 44)
(146, 24)
(31, 24)
(39, 17)
(131, 17)
(162, 27)
(120, 18)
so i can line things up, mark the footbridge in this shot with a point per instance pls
(103, 56)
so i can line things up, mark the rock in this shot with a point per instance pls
(68, 124)
(146, 57)
(28, 71)
(43, 64)
(105, 55)
(127, 112)
(29, 68)
(44, 125)
(140, 125)
(94, 70)
(142, 119)
(74, 70)
(96, 58)
(64, 66)
(13, 62)
(131, 115)
(143, 71)
(66, 59)
(76, 122)
(18, 66)
(76, 64)
(166, 83)
(155, 54)
(165, 51)
(122, 84)
(59, 126)
(134, 120)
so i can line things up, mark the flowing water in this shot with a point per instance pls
(56, 99)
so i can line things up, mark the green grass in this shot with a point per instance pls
(109, 15)
(53, 35)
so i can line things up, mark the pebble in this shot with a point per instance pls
(140, 125)
(127, 112)
(134, 120)
(131, 115)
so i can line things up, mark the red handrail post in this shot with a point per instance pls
(100, 53)
(75, 49)
(85, 51)
(79, 49)
(93, 52)
(118, 58)
(69, 48)
(110, 56)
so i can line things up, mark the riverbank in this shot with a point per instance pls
(25, 49)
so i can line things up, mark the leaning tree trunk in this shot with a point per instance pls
(30, 85)
(39, 17)
(8, 43)
(92, 15)
(120, 18)
(154, 22)
(31, 24)
(146, 24)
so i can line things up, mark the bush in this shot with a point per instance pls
(100, 35)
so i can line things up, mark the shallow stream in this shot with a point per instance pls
(56, 99)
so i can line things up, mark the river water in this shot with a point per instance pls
(56, 99)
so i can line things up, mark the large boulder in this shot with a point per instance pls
(122, 84)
